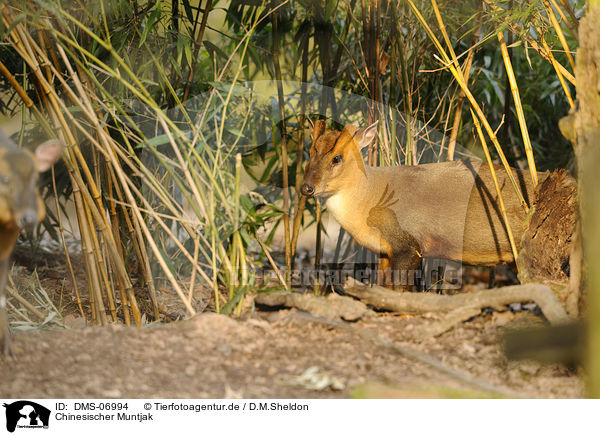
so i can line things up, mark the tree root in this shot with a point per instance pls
(332, 307)
(460, 307)
(453, 318)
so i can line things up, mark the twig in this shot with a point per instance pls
(11, 291)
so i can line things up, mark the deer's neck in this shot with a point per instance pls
(348, 204)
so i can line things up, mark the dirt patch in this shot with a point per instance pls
(266, 355)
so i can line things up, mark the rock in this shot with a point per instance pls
(314, 379)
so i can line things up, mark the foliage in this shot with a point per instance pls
(180, 152)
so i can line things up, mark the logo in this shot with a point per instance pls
(26, 414)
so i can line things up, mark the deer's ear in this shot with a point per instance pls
(318, 130)
(364, 136)
(46, 154)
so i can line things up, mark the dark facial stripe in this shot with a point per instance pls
(344, 132)
(334, 143)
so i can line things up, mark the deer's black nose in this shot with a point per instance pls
(307, 190)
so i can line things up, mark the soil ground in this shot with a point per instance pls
(263, 354)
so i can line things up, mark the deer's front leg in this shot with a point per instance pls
(405, 267)
(383, 270)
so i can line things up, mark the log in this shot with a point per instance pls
(547, 242)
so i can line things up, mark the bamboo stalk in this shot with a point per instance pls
(29, 104)
(300, 199)
(496, 185)
(521, 116)
(408, 103)
(317, 284)
(153, 245)
(31, 48)
(113, 216)
(208, 173)
(86, 178)
(193, 277)
(128, 297)
(466, 71)
(98, 311)
(458, 76)
(547, 54)
(559, 33)
(574, 20)
(199, 41)
(64, 244)
(130, 292)
(241, 268)
(101, 269)
(25, 45)
(114, 220)
(165, 227)
(543, 50)
(284, 153)
(568, 22)
(86, 245)
(273, 264)
(559, 73)
(214, 256)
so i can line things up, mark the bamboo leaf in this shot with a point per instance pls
(214, 49)
(188, 10)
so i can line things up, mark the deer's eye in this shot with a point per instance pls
(337, 159)
(4, 180)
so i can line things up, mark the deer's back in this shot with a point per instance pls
(451, 208)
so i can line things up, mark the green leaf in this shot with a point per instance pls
(188, 54)
(213, 48)
(149, 26)
(238, 295)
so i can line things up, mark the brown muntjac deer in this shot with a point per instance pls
(21, 206)
(441, 210)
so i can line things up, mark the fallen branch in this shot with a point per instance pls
(421, 303)
(332, 307)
